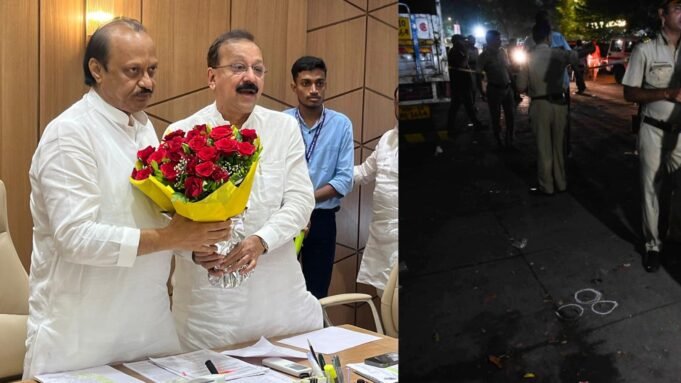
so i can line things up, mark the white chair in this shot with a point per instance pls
(389, 305)
(13, 301)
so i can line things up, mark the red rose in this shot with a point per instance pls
(157, 156)
(144, 154)
(207, 153)
(246, 148)
(191, 165)
(174, 145)
(205, 169)
(220, 175)
(248, 134)
(176, 133)
(198, 130)
(168, 170)
(197, 143)
(221, 131)
(193, 187)
(141, 174)
(227, 145)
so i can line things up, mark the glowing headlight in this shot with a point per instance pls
(519, 56)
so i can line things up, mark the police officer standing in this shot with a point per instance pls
(494, 62)
(652, 79)
(542, 80)
(461, 84)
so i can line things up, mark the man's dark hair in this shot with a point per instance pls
(307, 63)
(541, 31)
(492, 34)
(213, 57)
(99, 44)
(542, 15)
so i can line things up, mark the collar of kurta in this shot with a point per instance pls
(116, 115)
(218, 115)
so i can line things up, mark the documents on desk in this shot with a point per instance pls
(193, 365)
(263, 348)
(330, 340)
(88, 375)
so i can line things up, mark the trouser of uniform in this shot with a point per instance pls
(498, 98)
(460, 91)
(548, 121)
(579, 78)
(319, 252)
(660, 156)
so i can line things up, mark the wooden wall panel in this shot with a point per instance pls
(279, 29)
(183, 31)
(325, 12)
(350, 104)
(18, 114)
(381, 64)
(62, 46)
(342, 48)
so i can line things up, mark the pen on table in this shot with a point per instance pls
(311, 349)
(211, 367)
(335, 360)
(316, 369)
(322, 363)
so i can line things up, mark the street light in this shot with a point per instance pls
(479, 31)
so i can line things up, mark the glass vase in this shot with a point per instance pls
(234, 279)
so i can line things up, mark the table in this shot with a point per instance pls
(352, 355)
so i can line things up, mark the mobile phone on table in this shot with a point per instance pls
(383, 360)
(287, 367)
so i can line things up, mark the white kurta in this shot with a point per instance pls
(92, 300)
(381, 251)
(274, 300)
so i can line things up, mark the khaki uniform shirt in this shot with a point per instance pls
(543, 74)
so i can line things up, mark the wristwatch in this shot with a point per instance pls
(263, 243)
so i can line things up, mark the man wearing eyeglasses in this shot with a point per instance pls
(653, 79)
(274, 300)
(330, 159)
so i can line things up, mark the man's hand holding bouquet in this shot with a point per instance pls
(205, 175)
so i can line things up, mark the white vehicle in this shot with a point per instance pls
(618, 54)
(423, 70)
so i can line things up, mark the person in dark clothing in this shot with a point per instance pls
(461, 84)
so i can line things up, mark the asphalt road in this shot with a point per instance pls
(486, 265)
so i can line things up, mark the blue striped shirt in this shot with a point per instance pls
(332, 158)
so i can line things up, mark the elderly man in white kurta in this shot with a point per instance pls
(101, 250)
(274, 300)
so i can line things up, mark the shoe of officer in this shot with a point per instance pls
(651, 261)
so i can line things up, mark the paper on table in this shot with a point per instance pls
(330, 340)
(154, 373)
(89, 375)
(193, 365)
(269, 377)
(376, 374)
(263, 348)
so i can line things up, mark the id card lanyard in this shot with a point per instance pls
(310, 149)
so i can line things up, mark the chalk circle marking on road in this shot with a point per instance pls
(569, 311)
(582, 295)
(612, 304)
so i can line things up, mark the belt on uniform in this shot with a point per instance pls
(663, 125)
(556, 98)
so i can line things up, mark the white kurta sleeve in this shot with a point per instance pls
(298, 199)
(67, 175)
(366, 172)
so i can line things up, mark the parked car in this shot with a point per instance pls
(618, 54)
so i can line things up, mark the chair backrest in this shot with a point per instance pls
(13, 300)
(13, 276)
(390, 303)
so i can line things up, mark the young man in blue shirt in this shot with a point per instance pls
(329, 153)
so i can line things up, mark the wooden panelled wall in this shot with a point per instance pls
(42, 44)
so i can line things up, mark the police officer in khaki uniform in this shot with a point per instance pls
(542, 80)
(494, 62)
(652, 80)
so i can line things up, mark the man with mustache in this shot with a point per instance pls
(329, 153)
(101, 249)
(273, 301)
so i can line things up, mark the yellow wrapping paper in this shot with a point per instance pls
(225, 202)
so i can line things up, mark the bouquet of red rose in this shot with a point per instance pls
(205, 175)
